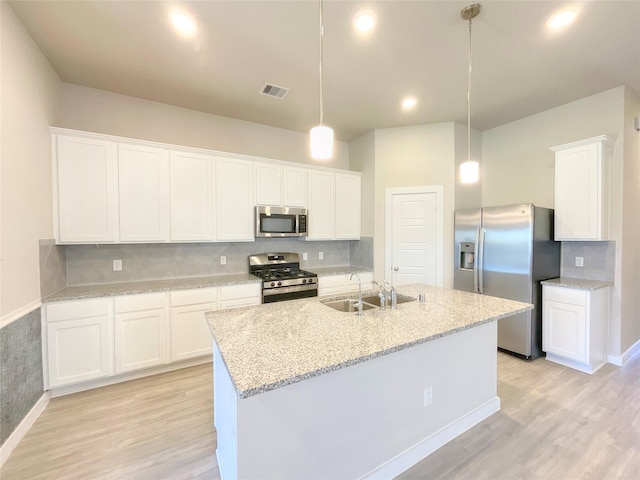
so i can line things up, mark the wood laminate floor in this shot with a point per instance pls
(555, 423)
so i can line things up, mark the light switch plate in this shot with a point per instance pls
(579, 261)
(304, 255)
(223, 260)
(320, 255)
(117, 265)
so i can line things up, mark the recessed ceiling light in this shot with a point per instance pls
(562, 19)
(409, 103)
(183, 23)
(364, 21)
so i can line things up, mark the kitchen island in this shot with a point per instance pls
(305, 391)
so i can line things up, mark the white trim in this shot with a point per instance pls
(147, 372)
(438, 190)
(18, 314)
(21, 430)
(430, 444)
(621, 360)
(580, 366)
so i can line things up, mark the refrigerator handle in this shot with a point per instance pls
(476, 264)
(481, 261)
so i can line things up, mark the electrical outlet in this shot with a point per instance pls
(428, 396)
(117, 265)
(304, 255)
(223, 260)
(320, 256)
(579, 261)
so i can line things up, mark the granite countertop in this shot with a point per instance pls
(578, 283)
(337, 270)
(150, 286)
(272, 345)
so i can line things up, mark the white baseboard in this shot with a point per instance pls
(620, 360)
(430, 444)
(21, 430)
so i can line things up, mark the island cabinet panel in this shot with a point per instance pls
(370, 420)
(140, 331)
(79, 342)
(582, 190)
(234, 200)
(192, 183)
(190, 336)
(85, 190)
(144, 193)
(574, 326)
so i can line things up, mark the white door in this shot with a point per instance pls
(414, 231)
(234, 200)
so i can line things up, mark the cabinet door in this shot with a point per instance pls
(140, 331)
(144, 192)
(565, 329)
(79, 350)
(580, 192)
(321, 204)
(190, 335)
(347, 207)
(332, 284)
(191, 177)
(268, 184)
(87, 190)
(294, 191)
(234, 200)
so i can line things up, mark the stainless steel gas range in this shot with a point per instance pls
(282, 278)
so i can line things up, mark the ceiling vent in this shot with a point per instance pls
(274, 91)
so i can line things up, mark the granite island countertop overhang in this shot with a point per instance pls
(269, 346)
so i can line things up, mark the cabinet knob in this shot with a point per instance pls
(395, 269)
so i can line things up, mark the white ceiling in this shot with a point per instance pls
(418, 48)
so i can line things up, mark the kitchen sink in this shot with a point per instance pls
(375, 299)
(348, 305)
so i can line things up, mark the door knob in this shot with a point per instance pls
(395, 269)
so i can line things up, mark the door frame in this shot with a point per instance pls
(438, 190)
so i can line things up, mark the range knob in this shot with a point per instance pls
(273, 284)
(304, 280)
(279, 284)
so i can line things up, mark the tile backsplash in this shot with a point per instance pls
(93, 264)
(598, 257)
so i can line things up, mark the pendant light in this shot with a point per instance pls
(321, 136)
(469, 170)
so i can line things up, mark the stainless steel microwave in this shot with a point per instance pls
(281, 222)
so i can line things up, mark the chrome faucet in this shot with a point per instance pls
(383, 295)
(359, 304)
(394, 296)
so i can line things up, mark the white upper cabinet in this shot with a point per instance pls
(268, 184)
(348, 207)
(294, 192)
(144, 193)
(234, 200)
(86, 183)
(582, 190)
(278, 185)
(321, 204)
(192, 184)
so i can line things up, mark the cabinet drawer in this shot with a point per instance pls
(565, 295)
(234, 292)
(329, 281)
(194, 297)
(77, 309)
(133, 303)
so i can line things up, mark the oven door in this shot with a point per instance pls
(280, 222)
(270, 295)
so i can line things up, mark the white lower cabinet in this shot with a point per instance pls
(574, 326)
(233, 296)
(79, 341)
(190, 335)
(140, 331)
(342, 283)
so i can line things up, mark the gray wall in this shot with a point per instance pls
(20, 371)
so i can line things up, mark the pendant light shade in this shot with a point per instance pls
(469, 170)
(321, 137)
(321, 142)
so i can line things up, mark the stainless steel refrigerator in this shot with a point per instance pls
(505, 252)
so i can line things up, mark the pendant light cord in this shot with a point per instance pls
(469, 100)
(321, 61)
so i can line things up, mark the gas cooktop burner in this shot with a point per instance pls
(281, 277)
